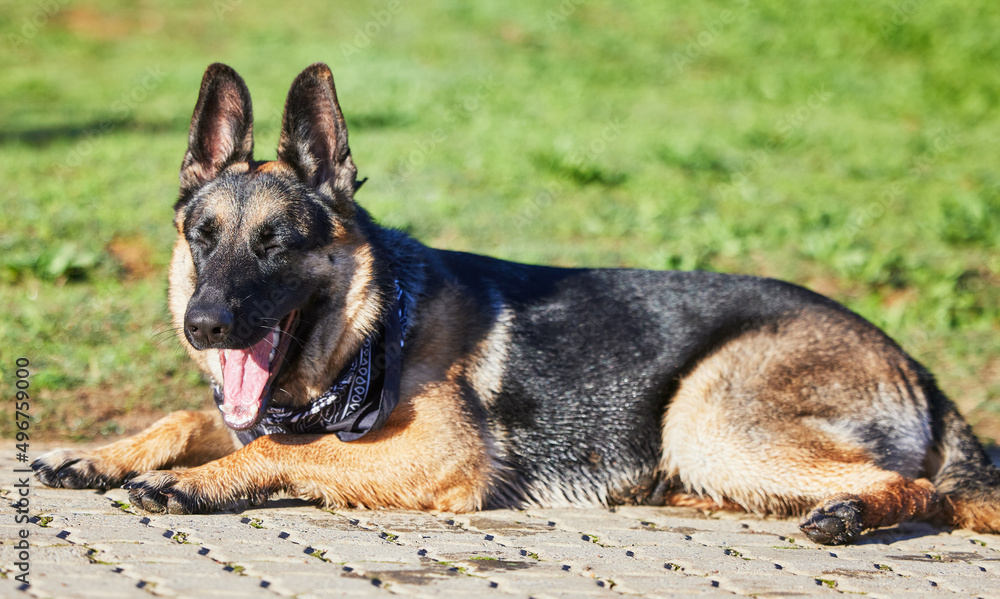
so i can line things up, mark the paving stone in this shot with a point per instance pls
(558, 586)
(71, 502)
(927, 566)
(504, 523)
(783, 528)
(449, 551)
(117, 553)
(991, 566)
(310, 567)
(593, 521)
(979, 538)
(195, 579)
(109, 585)
(375, 551)
(498, 569)
(806, 560)
(370, 591)
(328, 585)
(64, 554)
(12, 588)
(743, 583)
(662, 553)
(892, 585)
(461, 585)
(399, 521)
(641, 537)
(728, 539)
(851, 580)
(466, 541)
(967, 585)
(667, 584)
(429, 578)
(99, 528)
(241, 552)
(614, 566)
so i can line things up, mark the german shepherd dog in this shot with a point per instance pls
(354, 366)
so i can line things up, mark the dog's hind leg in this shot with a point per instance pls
(839, 519)
(882, 499)
(806, 418)
(183, 438)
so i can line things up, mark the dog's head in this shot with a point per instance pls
(272, 281)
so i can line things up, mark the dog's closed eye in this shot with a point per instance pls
(268, 242)
(205, 236)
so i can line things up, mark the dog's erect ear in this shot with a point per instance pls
(221, 128)
(314, 135)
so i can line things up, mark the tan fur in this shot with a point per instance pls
(489, 359)
(682, 499)
(269, 166)
(978, 515)
(898, 500)
(180, 439)
(182, 283)
(757, 424)
(427, 456)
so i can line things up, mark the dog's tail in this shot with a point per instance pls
(966, 479)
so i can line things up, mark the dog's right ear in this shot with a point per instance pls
(221, 129)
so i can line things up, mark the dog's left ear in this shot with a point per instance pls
(314, 135)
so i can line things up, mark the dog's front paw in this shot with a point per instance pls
(158, 491)
(836, 522)
(192, 491)
(77, 470)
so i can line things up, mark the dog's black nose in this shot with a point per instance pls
(207, 325)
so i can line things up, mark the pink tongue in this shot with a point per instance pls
(244, 375)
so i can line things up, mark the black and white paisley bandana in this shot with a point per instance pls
(361, 397)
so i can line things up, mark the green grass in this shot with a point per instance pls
(848, 147)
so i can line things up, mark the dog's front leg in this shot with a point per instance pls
(182, 438)
(409, 467)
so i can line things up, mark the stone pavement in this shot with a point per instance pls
(88, 544)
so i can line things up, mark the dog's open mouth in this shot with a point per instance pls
(247, 375)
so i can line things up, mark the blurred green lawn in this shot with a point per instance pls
(850, 147)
